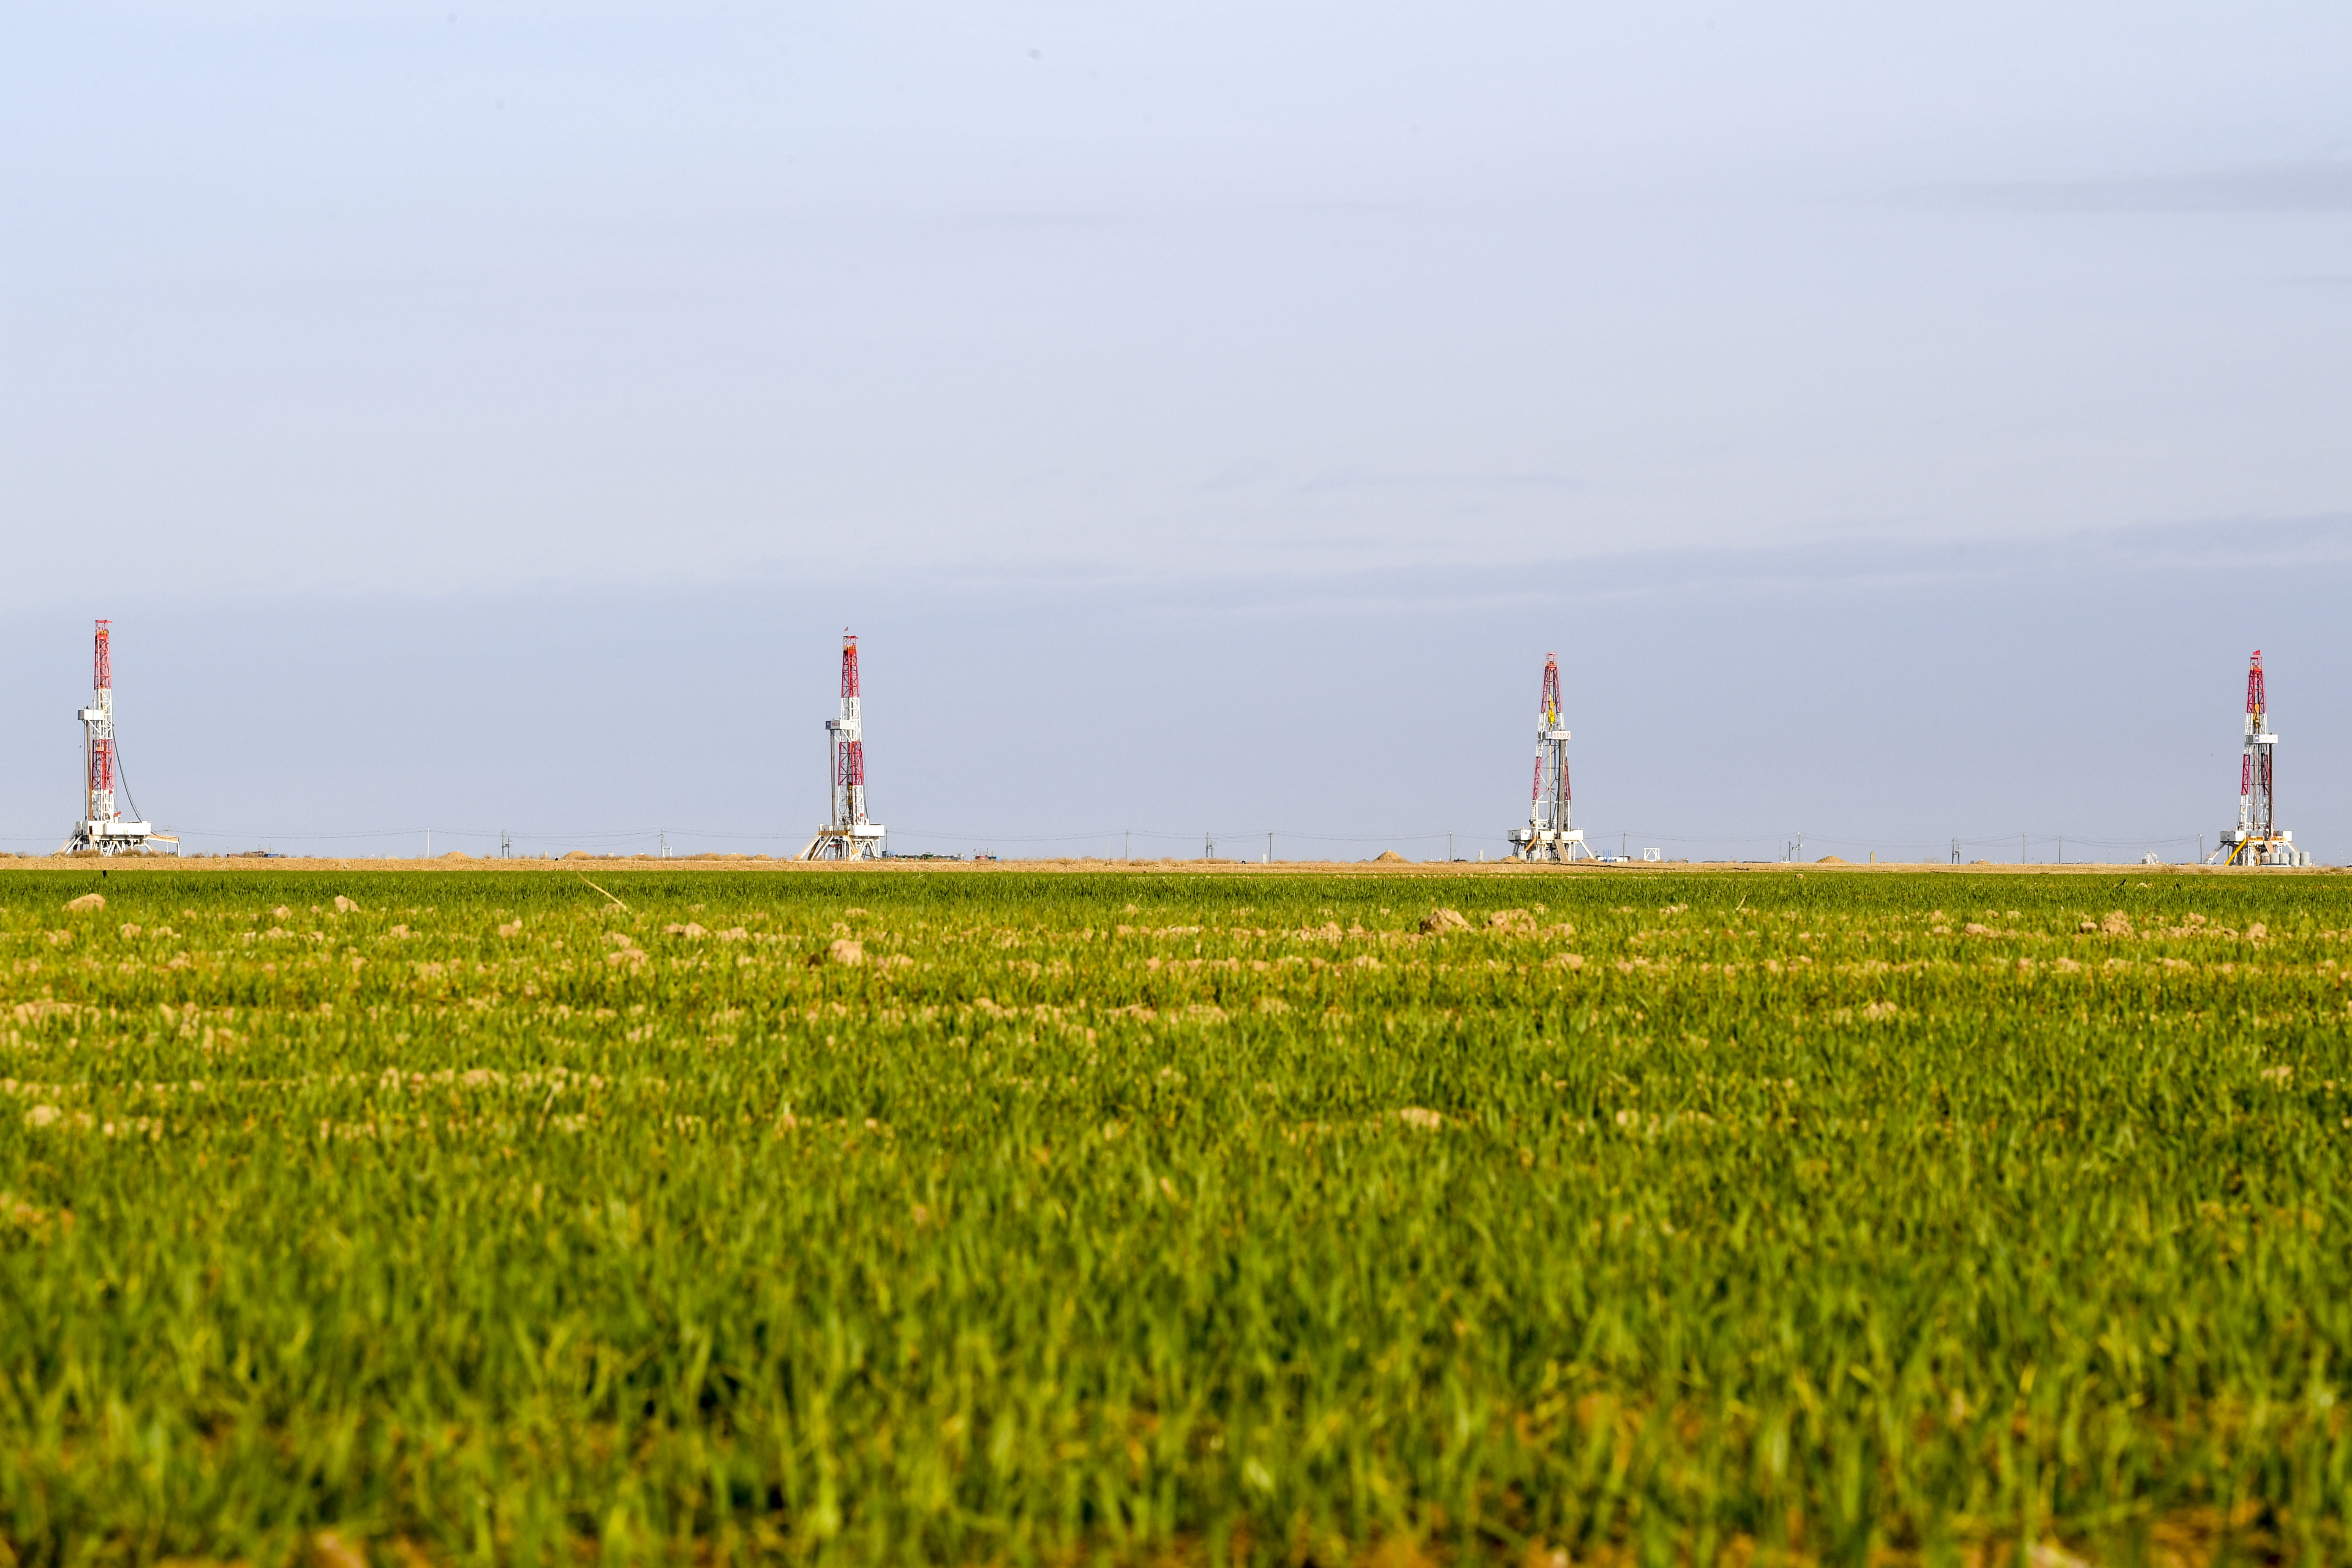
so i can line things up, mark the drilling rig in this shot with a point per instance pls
(2258, 839)
(102, 829)
(1548, 834)
(849, 836)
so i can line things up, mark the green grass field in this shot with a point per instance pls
(1174, 1217)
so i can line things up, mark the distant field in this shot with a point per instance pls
(1185, 1217)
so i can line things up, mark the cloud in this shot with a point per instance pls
(2317, 186)
(1855, 563)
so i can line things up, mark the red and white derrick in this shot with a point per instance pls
(2258, 839)
(102, 828)
(1549, 835)
(849, 836)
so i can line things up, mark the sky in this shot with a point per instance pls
(485, 419)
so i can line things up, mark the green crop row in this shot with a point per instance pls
(905, 1217)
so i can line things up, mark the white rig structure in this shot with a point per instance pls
(849, 836)
(102, 829)
(1548, 834)
(2258, 839)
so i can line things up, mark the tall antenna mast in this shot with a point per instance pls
(2258, 840)
(1549, 835)
(847, 836)
(102, 828)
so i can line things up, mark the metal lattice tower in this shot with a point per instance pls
(2256, 808)
(849, 836)
(2258, 839)
(98, 731)
(1549, 835)
(102, 828)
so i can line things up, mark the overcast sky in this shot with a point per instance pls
(1903, 425)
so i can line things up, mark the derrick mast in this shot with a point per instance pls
(98, 731)
(2256, 810)
(2258, 839)
(1549, 835)
(103, 826)
(847, 836)
(848, 744)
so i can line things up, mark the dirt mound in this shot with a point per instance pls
(1438, 922)
(1386, 855)
(1831, 861)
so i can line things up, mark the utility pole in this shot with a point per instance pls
(1127, 844)
(1208, 845)
(1270, 846)
(506, 844)
(1955, 851)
